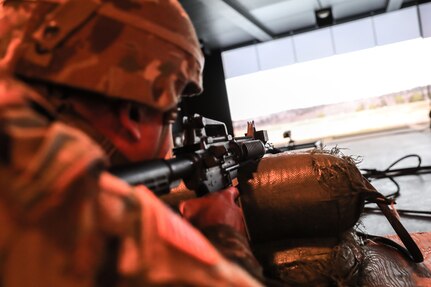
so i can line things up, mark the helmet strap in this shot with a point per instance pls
(59, 106)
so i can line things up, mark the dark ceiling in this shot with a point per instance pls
(224, 24)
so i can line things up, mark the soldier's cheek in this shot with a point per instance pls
(149, 144)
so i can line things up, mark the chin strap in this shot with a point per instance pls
(57, 108)
(70, 117)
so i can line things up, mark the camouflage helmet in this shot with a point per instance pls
(140, 50)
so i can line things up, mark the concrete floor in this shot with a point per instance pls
(381, 150)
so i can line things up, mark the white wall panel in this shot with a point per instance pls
(240, 61)
(361, 34)
(313, 45)
(425, 16)
(353, 36)
(276, 53)
(397, 26)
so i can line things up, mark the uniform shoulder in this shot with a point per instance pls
(40, 156)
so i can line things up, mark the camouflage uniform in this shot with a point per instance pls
(64, 221)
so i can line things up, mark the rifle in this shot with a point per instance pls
(207, 161)
(210, 159)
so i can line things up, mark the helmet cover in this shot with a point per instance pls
(139, 50)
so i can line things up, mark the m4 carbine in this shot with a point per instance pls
(207, 161)
(285, 196)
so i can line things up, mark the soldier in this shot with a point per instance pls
(85, 84)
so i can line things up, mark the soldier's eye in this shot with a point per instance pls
(134, 114)
(190, 89)
(179, 86)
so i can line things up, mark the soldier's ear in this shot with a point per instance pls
(130, 117)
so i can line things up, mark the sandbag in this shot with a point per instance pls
(297, 195)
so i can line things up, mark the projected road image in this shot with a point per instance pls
(382, 88)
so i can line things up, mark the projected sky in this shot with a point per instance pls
(340, 78)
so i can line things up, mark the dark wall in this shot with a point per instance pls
(213, 102)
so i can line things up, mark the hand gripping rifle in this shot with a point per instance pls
(207, 161)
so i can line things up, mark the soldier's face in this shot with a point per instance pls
(143, 135)
(136, 131)
(154, 140)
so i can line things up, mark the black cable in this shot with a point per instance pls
(390, 173)
(402, 211)
(404, 157)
